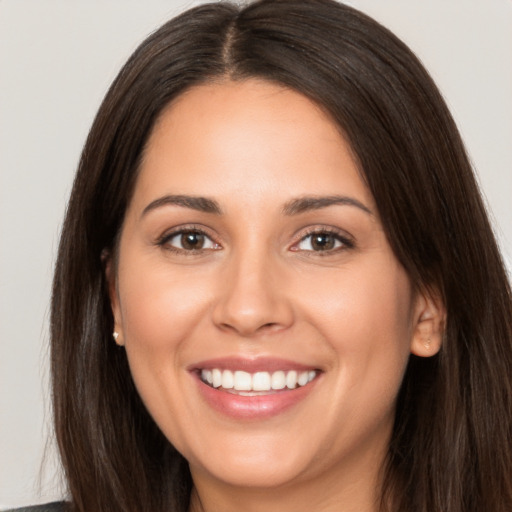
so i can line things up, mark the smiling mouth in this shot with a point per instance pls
(251, 384)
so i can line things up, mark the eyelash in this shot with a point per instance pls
(345, 242)
(164, 240)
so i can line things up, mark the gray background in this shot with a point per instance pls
(57, 59)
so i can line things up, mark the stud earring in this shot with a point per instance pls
(115, 335)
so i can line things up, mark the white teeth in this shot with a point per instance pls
(259, 381)
(217, 378)
(278, 380)
(206, 375)
(302, 379)
(228, 380)
(243, 381)
(291, 380)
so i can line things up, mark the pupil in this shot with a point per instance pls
(192, 240)
(323, 242)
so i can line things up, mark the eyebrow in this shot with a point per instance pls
(293, 207)
(201, 204)
(308, 203)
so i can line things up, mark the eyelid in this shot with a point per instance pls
(346, 239)
(169, 234)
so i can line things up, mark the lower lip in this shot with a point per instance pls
(256, 407)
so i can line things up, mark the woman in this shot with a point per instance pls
(275, 218)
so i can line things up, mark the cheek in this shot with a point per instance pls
(160, 310)
(159, 307)
(366, 319)
(366, 316)
(371, 303)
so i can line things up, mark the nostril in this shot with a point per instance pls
(270, 326)
(251, 330)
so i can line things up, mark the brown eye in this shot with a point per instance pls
(189, 241)
(323, 241)
(192, 241)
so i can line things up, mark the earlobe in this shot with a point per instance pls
(429, 325)
(110, 278)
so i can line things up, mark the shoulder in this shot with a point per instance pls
(56, 506)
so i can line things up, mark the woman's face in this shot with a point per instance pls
(266, 321)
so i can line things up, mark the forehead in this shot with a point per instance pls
(240, 137)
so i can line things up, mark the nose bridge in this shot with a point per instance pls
(252, 298)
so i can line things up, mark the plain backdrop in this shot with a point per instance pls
(57, 59)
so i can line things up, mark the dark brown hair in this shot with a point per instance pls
(451, 445)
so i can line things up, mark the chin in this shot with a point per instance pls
(256, 472)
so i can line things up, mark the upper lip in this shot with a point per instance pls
(251, 365)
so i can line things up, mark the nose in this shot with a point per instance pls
(253, 297)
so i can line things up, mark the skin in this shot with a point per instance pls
(258, 287)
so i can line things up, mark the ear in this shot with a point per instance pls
(110, 276)
(429, 324)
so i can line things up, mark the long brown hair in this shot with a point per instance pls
(451, 446)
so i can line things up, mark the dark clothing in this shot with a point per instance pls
(56, 506)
